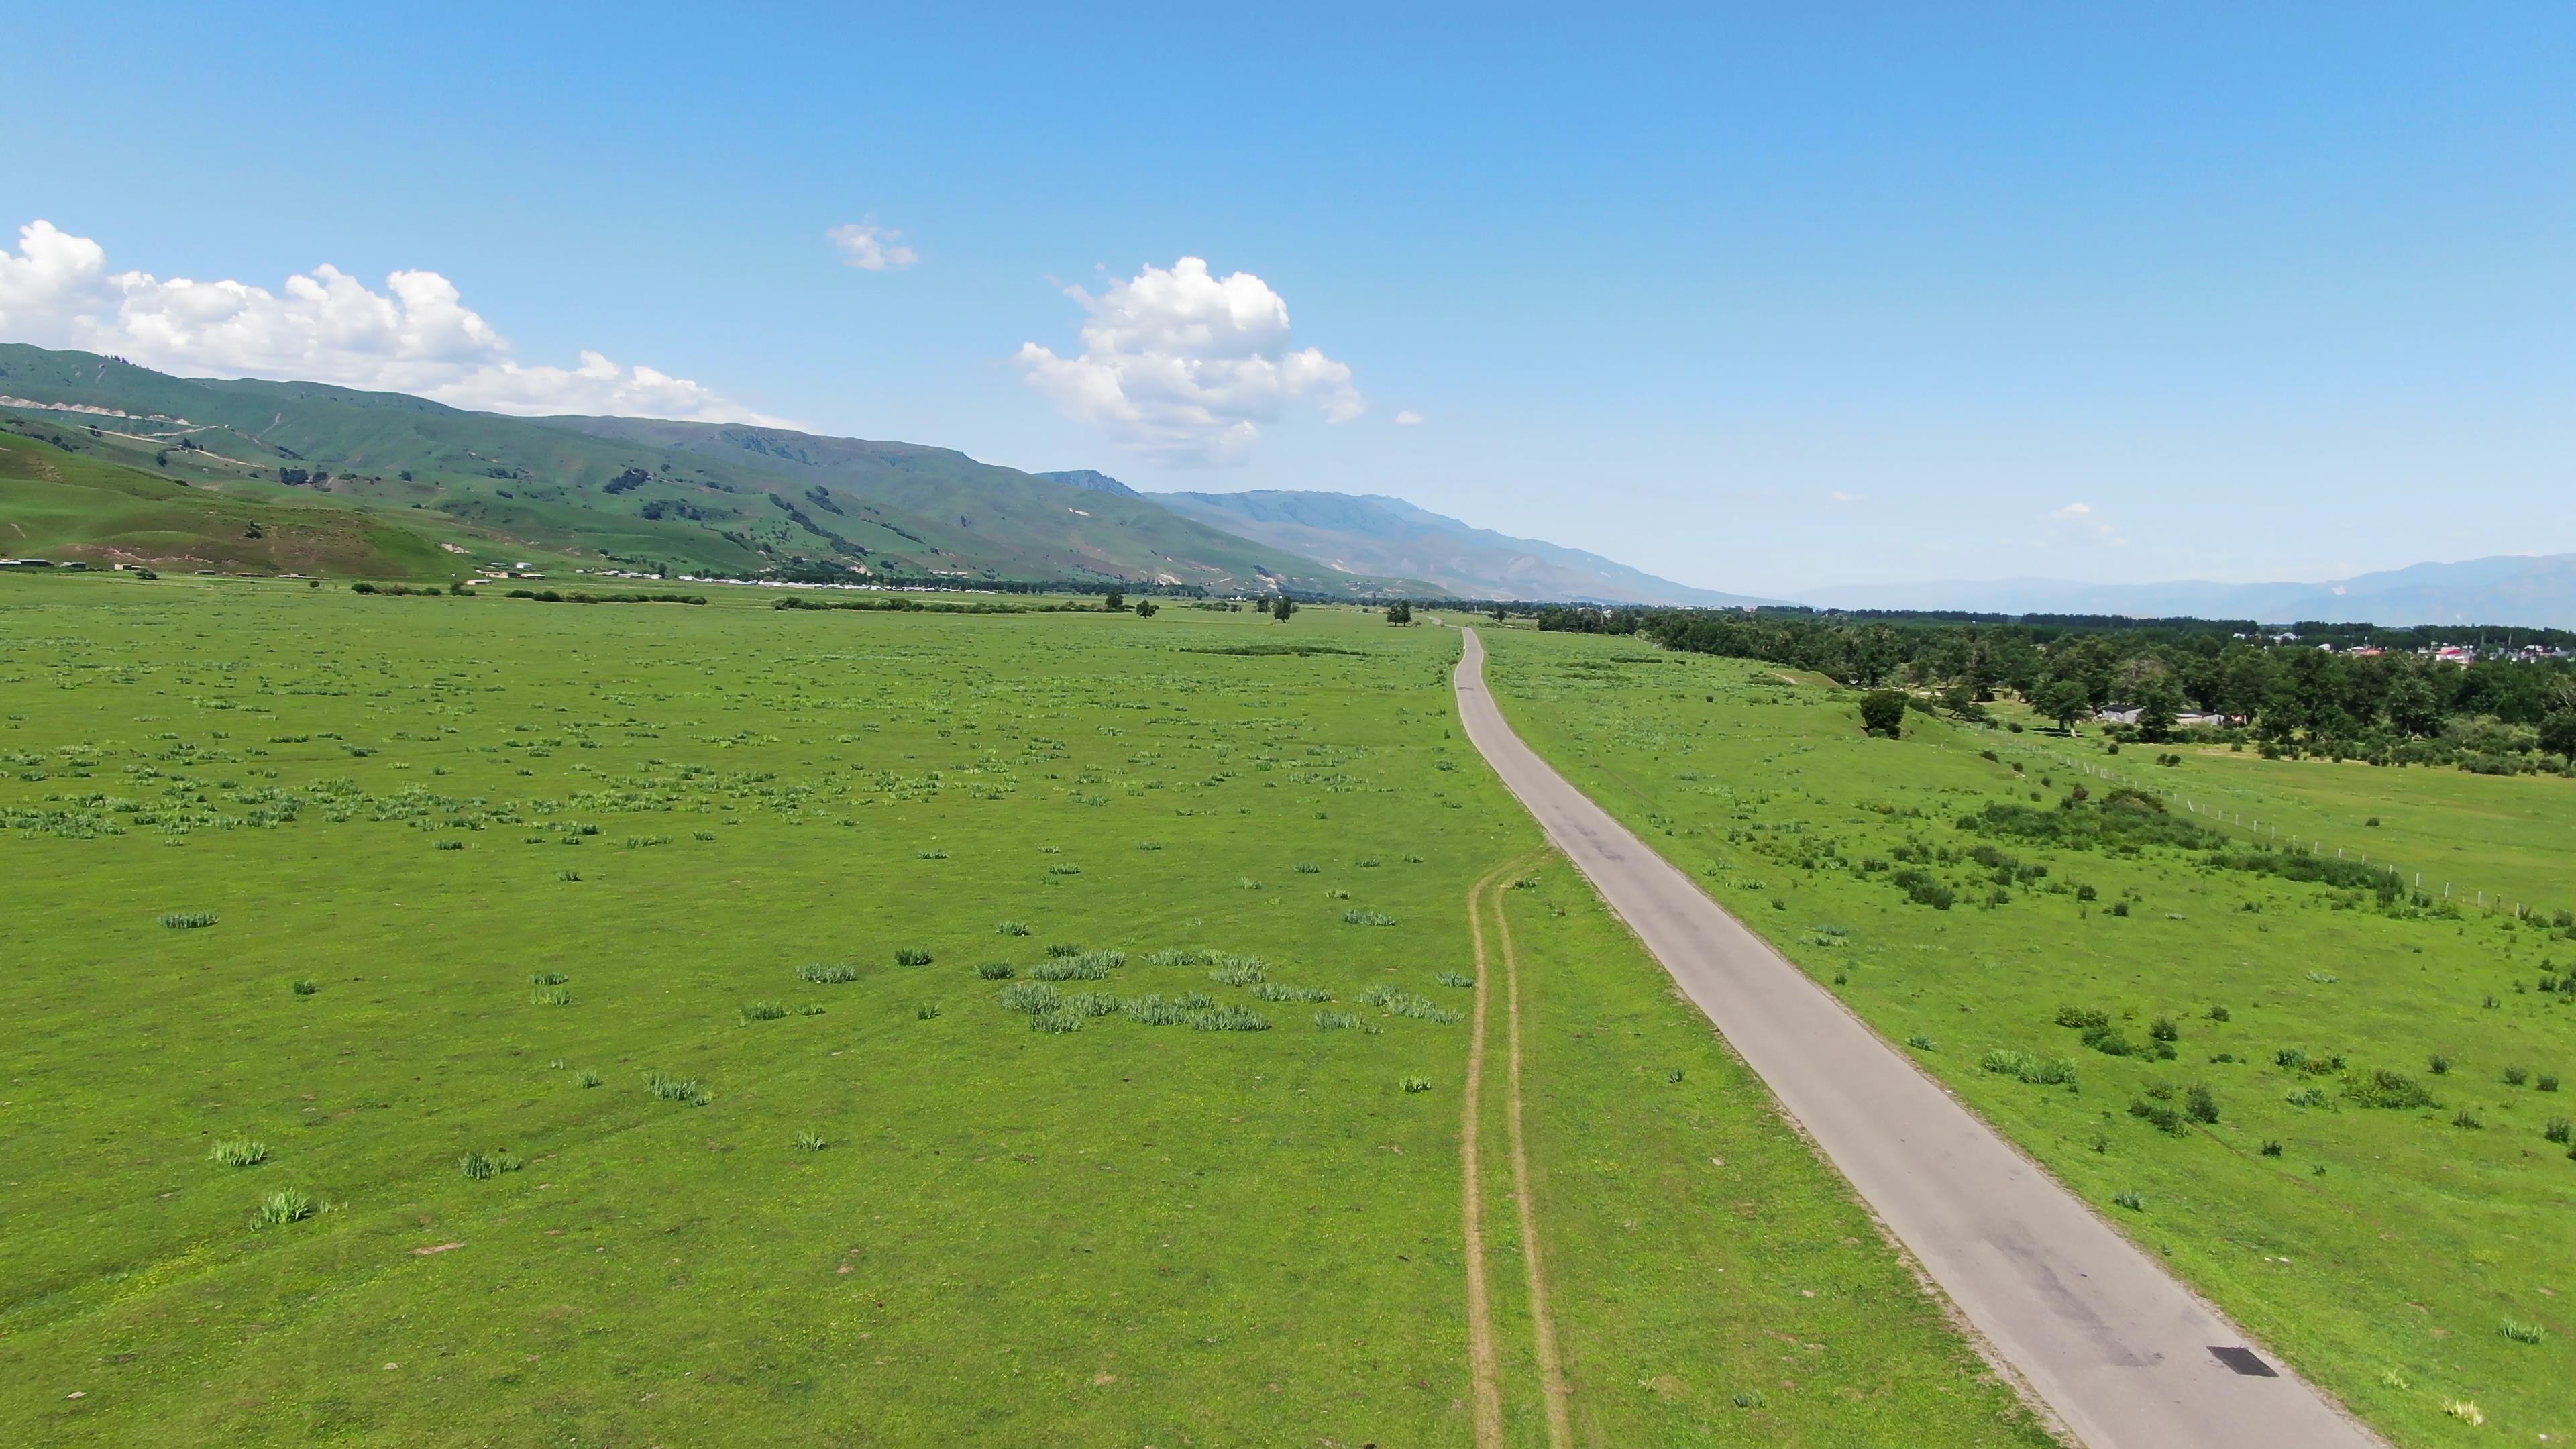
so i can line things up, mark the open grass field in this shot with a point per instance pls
(485, 1021)
(2196, 1047)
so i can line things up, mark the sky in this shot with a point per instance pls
(1755, 300)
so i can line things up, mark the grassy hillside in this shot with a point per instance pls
(635, 492)
(2342, 1114)
(417, 895)
(63, 506)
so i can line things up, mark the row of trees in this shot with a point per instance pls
(2285, 691)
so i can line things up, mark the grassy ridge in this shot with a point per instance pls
(2383, 1233)
(62, 506)
(380, 887)
(728, 498)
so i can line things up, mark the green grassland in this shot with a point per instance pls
(2384, 1249)
(419, 894)
(726, 498)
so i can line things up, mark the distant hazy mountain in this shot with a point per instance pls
(2535, 591)
(1371, 534)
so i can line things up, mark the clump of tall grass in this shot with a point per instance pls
(1452, 978)
(547, 978)
(482, 1167)
(2545, 1082)
(827, 973)
(676, 1089)
(572, 875)
(761, 1011)
(1055, 1020)
(2516, 1076)
(2439, 1066)
(1154, 1010)
(1088, 966)
(287, 1205)
(1922, 1043)
(303, 987)
(2036, 1070)
(2132, 1199)
(2158, 1115)
(1304, 867)
(1011, 928)
(810, 1141)
(1271, 991)
(1063, 948)
(188, 920)
(911, 956)
(1228, 1018)
(1091, 1003)
(930, 855)
(550, 996)
(926, 1011)
(1176, 958)
(589, 1078)
(1233, 970)
(2467, 1119)
(1367, 918)
(1413, 1085)
(2200, 1105)
(2384, 1088)
(447, 845)
(1398, 1002)
(239, 1152)
(2521, 1332)
(1336, 1021)
(997, 971)
(1031, 997)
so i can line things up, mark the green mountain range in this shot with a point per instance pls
(615, 492)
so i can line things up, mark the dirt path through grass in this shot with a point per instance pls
(1551, 1364)
(1482, 1362)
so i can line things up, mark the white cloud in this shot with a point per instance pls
(1185, 366)
(1408, 418)
(2078, 520)
(415, 336)
(1840, 499)
(872, 248)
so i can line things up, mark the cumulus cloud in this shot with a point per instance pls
(1186, 366)
(872, 248)
(416, 335)
(1408, 418)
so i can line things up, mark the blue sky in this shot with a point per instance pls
(1755, 301)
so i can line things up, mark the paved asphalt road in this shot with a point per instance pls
(2117, 1348)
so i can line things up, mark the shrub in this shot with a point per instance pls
(996, 971)
(2217, 1013)
(831, 974)
(188, 920)
(1882, 712)
(243, 1152)
(288, 1205)
(2163, 1029)
(676, 1089)
(2546, 1082)
(2516, 1076)
(2156, 1114)
(2440, 1065)
(2383, 1088)
(2087, 1017)
(911, 956)
(2109, 1042)
(2200, 1105)
(2558, 1131)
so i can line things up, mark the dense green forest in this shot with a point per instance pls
(2349, 691)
